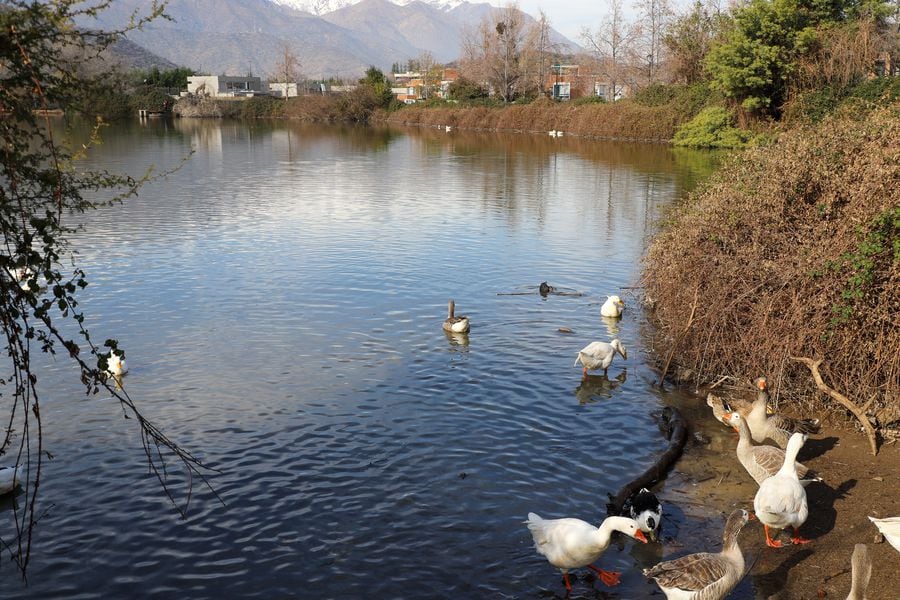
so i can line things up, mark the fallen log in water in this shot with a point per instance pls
(675, 429)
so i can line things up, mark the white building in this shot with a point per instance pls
(225, 85)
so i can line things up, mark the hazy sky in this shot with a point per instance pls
(568, 16)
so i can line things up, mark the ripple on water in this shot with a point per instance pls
(281, 307)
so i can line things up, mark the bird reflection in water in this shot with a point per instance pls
(459, 342)
(597, 387)
(612, 325)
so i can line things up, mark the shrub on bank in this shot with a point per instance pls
(791, 250)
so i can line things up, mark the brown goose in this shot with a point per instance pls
(720, 406)
(453, 323)
(762, 461)
(704, 576)
(775, 427)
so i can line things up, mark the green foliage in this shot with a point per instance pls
(880, 240)
(169, 78)
(379, 85)
(588, 100)
(41, 185)
(760, 51)
(465, 89)
(261, 107)
(713, 127)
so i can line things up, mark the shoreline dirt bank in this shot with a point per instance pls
(709, 481)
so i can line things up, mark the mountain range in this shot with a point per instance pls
(331, 38)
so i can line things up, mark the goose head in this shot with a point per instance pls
(619, 348)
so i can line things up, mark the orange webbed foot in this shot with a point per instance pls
(610, 578)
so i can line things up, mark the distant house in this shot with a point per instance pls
(408, 87)
(448, 76)
(604, 90)
(283, 90)
(224, 85)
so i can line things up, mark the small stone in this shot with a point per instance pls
(879, 539)
(878, 478)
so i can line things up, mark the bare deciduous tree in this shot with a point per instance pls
(612, 42)
(287, 70)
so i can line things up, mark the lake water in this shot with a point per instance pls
(280, 300)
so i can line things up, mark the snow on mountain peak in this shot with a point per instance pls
(321, 7)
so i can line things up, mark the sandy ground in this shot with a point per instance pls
(857, 485)
(708, 480)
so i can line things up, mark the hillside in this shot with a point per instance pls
(248, 36)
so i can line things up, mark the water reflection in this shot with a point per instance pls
(594, 388)
(612, 325)
(283, 291)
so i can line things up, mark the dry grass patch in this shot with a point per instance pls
(792, 250)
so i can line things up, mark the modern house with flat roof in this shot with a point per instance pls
(224, 85)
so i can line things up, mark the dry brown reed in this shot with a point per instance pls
(620, 120)
(782, 250)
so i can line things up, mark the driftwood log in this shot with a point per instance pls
(675, 429)
(858, 412)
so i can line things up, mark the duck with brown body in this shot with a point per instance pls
(775, 427)
(455, 324)
(705, 575)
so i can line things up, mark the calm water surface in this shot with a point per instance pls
(280, 300)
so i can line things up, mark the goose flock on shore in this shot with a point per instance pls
(767, 448)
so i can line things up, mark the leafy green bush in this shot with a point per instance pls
(262, 107)
(588, 100)
(712, 128)
(655, 95)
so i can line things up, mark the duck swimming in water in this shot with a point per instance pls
(455, 324)
(612, 307)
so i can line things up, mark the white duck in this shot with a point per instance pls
(890, 529)
(861, 572)
(599, 355)
(9, 479)
(762, 461)
(704, 576)
(572, 543)
(781, 499)
(775, 427)
(115, 364)
(612, 307)
(455, 324)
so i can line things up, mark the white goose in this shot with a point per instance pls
(572, 543)
(9, 479)
(704, 576)
(890, 529)
(861, 572)
(612, 307)
(599, 355)
(455, 324)
(781, 499)
(775, 427)
(762, 461)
